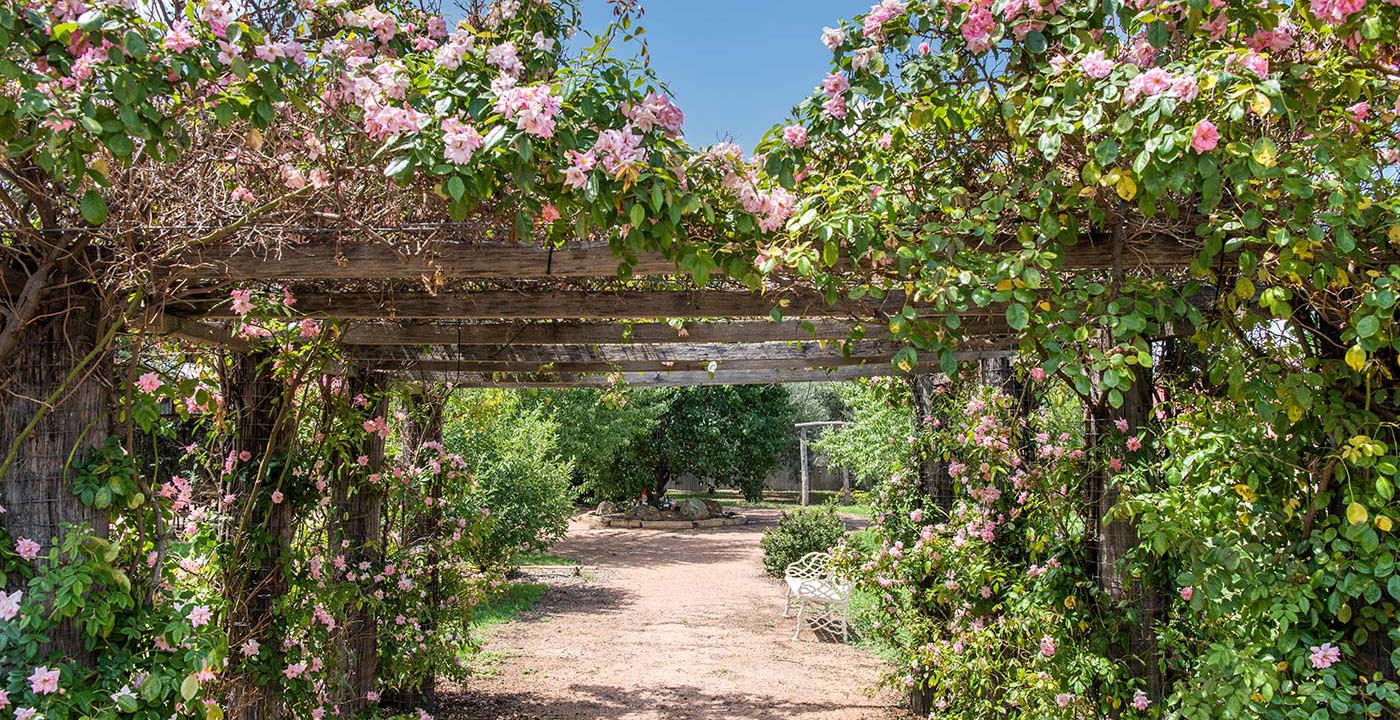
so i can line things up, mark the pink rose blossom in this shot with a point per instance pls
(1095, 65)
(149, 383)
(200, 616)
(1187, 593)
(27, 549)
(44, 681)
(1140, 701)
(1204, 137)
(1325, 656)
(795, 136)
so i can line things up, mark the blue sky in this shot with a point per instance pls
(736, 66)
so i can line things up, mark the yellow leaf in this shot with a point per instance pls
(1394, 234)
(255, 139)
(1261, 105)
(1357, 514)
(1383, 523)
(1356, 358)
(1244, 287)
(1127, 189)
(1004, 285)
(100, 165)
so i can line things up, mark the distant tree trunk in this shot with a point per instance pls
(255, 585)
(36, 490)
(359, 507)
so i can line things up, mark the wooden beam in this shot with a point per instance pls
(656, 379)
(411, 367)
(565, 304)
(695, 352)
(457, 260)
(605, 333)
(448, 260)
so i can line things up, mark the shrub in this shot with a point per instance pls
(800, 532)
(512, 452)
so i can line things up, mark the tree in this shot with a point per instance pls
(632, 441)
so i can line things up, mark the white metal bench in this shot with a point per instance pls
(819, 595)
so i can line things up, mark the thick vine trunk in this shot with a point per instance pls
(422, 424)
(36, 489)
(1110, 541)
(259, 580)
(933, 467)
(359, 508)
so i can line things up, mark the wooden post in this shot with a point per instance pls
(933, 469)
(845, 486)
(806, 479)
(62, 364)
(360, 507)
(256, 577)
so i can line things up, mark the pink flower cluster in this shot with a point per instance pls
(460, 140)
(772, 208)
(532, 108)
(836, 86)
(656, 110)
(1157, 81)
(977, 28)
(881, 13)
(1336, 12)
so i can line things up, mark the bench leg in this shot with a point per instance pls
(797, 634)
(787, 602)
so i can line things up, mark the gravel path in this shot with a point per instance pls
(668, 625)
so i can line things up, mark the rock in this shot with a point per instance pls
(715, 508)
(644, 512)
(694, 509)
(607, 508)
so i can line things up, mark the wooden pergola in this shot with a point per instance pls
(500, 314)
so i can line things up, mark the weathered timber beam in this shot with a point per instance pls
(655, 379)
(605, 333)
(564, 305)
(642, 366)
(455, 260)
(697, 352)
(324, 260)
(630, 366)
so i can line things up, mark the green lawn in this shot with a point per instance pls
(518, 598)
(527, 559)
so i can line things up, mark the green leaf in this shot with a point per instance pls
(93, 207)
(1394, 586)
(189, 687)
(119, 144)
(1035, 42)
(1368, 326)
(398, 166)
(1357, 513)
(1017, 316)
(637, 215)
(1106, 152)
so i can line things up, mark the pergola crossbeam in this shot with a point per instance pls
(550, 305)
(653, 379)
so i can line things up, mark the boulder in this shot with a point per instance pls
(715, 508)
(694, 509)
(607, 508)
(644, 512)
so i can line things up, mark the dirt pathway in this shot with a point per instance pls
(674, 626)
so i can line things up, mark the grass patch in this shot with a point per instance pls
(523, 559)
(517, 598)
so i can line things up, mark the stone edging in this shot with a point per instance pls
(620, 522)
